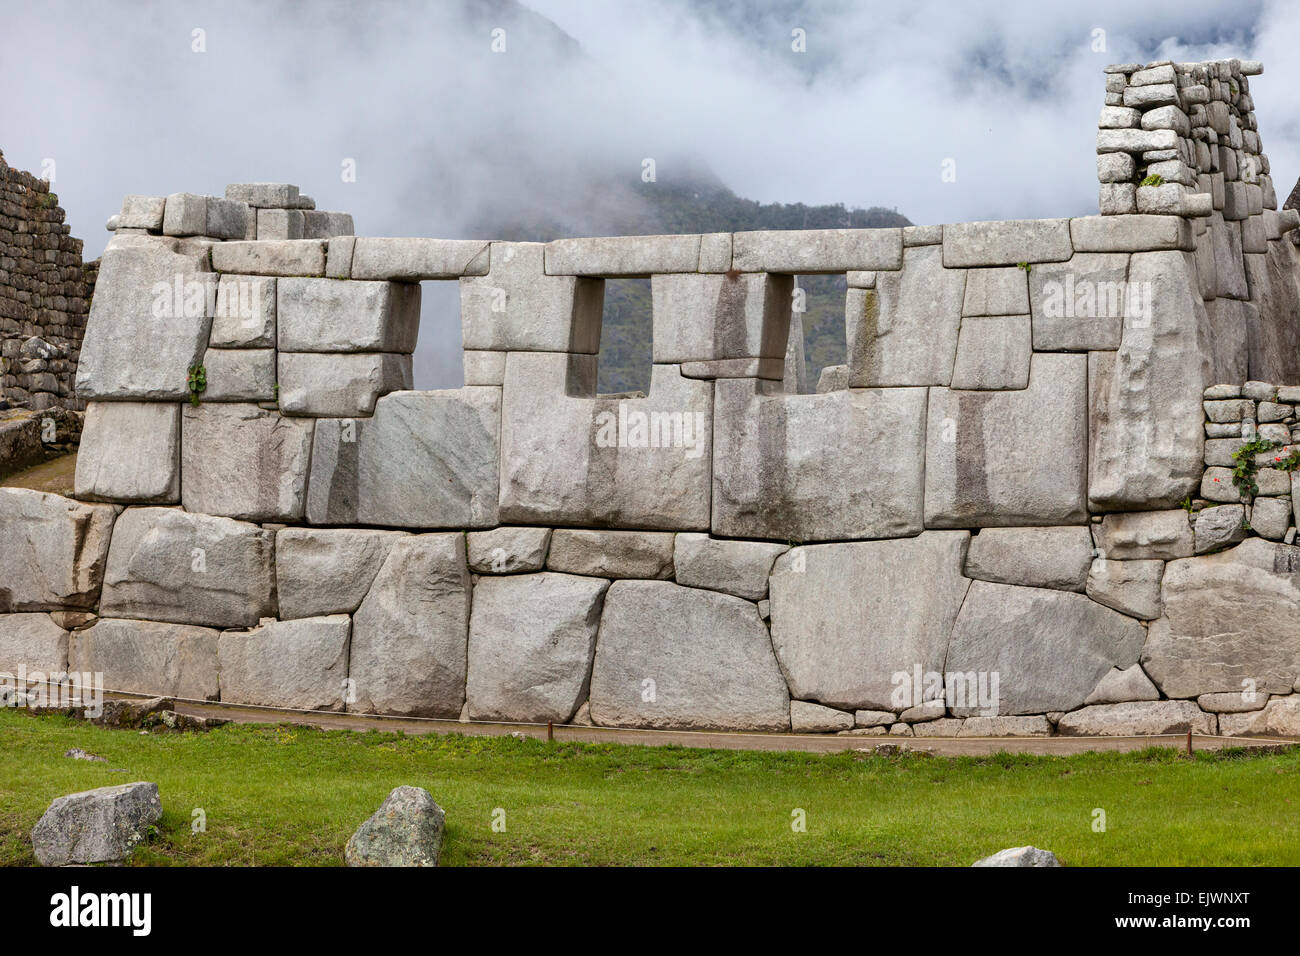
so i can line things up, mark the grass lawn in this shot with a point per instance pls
(292, 795)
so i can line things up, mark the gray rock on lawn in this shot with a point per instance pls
(532, 667)
(406, 830)
(1020, 856)
(96, 826)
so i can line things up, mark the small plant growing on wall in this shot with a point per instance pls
(1245, 467)
(196, 381)
(1024, 265)
(1155, 179)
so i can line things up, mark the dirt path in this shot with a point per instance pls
(810, 743)
(53, 476)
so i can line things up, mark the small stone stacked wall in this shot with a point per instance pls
(977, 530)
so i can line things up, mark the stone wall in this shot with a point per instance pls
(45, 293)
(978, 526)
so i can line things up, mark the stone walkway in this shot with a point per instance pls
(809, 743)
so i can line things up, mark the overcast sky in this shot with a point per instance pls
(440, 126)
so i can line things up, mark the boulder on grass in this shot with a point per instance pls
(405, 831)
(96, 826)
(1020, 856)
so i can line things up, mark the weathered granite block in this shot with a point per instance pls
(241, 461)
(148, 321)
(414, 260)
(149, 657)
(321, 571)
(302, 664)
(1049, 648)
(410, 635)
(54, 551)
(1130, 587)
(808, 251)
(32, 641)
(130, 452)
(284, 257)
(993, 352)
(508, 550)
(675, 657)
(534, 668)
(245, 316)
(1034, 557)
(612, 554)
(339, 385)
(996, 292)
(1009, 458)
(734, 567)
(847, 618)
(169, 565)
(1145, 535)
(423, 460)
(700, 318)
(1080, 303)
(781, 469)
(905, 333)
(185, 215)
(571, 457)
(328, 315)
(239, 375)
(1006, 243)
(517, 307)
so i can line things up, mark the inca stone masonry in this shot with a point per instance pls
(1015, 510)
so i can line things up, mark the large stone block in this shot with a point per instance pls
(810, 251)
(612, 554)
(1130, 587)
(149, 319)
(906, 332)
(410, 635)
(130, 452)
(1228, 617)
(169, 565)
(1279, 718)
(1136, 233)
(847, 618)
(1006, 243)
(1145, 535)
(517, 307)
(533, 667)
(239, 375)
(340, 385)
(271, 257)
(1146, 415)
(245, 315)
(1080, 303)
(571, 457)
(508, 550)
(675, 657)
(96, 826)
(53, 552)
(302, 664)
(1274, 340)
(149, 657)
(320, 571)
(414, 260)
(700, 318)
(993, 352)
(622, 255)
(1048, 648)
(241, 461)
(1137, 719)
(733, 567)
(1034, 557)
(1010, 458)
(783, 470)
(996, 292)
(332, 315)
(142, 212)
(265, 195)
(34, 642)
(424, 460)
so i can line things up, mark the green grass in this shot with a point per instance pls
(292, 796)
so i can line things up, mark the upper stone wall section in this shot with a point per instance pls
(45, 293)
